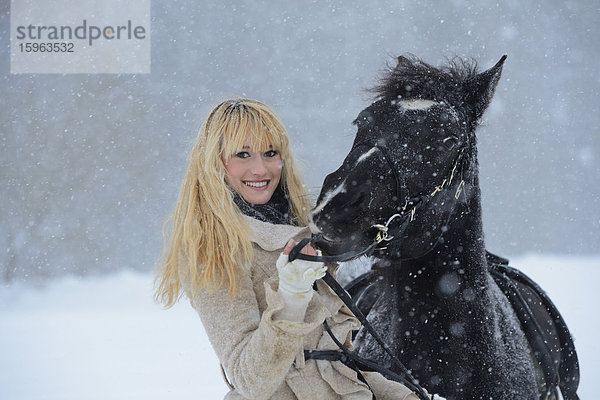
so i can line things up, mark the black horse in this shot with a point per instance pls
(411, 180)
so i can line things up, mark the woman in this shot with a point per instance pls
(241, 208)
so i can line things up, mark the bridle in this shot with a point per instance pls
(405, 215)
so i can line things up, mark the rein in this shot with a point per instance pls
(407, 379)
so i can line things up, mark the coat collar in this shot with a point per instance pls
(271, 237)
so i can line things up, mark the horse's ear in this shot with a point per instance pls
(481, 88)
(403, 60)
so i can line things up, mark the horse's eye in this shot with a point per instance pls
(450, 142)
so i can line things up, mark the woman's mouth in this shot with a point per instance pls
(256, 184)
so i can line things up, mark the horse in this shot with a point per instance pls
(411, 180)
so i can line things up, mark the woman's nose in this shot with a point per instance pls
(258, 166)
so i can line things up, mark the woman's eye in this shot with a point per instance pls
(450, 142)
(242, 154)
(270, 153)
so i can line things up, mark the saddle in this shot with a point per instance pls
(550, 341)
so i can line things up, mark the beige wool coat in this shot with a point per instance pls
(262, 356)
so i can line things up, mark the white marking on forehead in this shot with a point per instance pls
(417, 104)
(366, 155)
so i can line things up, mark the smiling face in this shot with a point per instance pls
(254, 174)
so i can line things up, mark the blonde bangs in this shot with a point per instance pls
(264, 131)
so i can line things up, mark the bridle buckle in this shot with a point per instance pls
(382, 232)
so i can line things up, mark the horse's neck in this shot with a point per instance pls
(461, 249)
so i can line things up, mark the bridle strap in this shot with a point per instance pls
(409, 205)
(349, 255)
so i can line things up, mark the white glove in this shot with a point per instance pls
(295, 286)
(298, 276)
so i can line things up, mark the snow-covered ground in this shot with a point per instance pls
(105, 338)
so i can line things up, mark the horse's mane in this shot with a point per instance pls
(414, 78)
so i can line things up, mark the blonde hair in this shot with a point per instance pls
(209, 239)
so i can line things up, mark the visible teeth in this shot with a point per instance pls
(256, 184)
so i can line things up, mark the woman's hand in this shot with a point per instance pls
(298, 276)
(308, 249)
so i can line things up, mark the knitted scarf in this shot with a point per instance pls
(275, 211)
